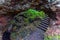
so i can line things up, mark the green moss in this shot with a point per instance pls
(57, 37)
(33, 13)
